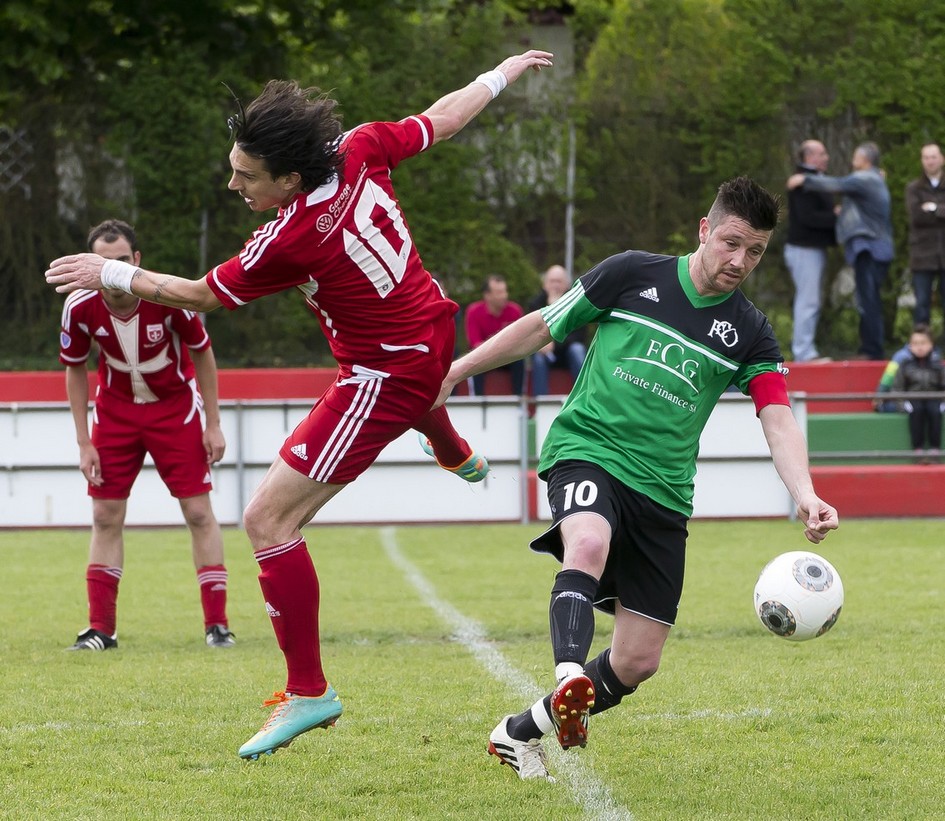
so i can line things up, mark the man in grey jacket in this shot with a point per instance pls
(864, 229)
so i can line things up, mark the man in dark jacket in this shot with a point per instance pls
(810, 233)
(925, 204)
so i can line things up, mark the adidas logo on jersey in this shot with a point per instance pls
(100, 331)
(299, 450)
(650, 293)
(271, 611)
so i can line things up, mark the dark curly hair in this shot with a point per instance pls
(742, 197)
(291, 129)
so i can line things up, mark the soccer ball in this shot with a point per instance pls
(798, 596)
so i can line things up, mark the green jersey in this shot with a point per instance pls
(661, 358)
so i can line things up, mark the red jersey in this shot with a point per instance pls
(143, 356)
(481, 323)
(347, 248)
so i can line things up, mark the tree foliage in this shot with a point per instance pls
(113, 109)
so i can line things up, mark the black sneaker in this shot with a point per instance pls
(219, 636)
(91, 639)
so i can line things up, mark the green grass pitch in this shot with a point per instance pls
(431, 635)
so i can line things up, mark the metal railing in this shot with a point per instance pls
(873, 397)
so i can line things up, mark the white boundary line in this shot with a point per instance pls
(591, 794)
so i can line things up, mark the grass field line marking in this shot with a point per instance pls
(585, 788)
(56, 726)
(697, 715)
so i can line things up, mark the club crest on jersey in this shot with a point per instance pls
(65, 340)
(155, 333)
(324, 223)
(724, 331)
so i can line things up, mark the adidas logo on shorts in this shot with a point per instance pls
(650, 293)
(299, 450)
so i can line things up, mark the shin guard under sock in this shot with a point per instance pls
(212, 579)
(290, 587)
(571, 615)
(101, 584)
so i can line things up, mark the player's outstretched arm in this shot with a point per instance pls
(451, 113)
(520, 339)
(789, 453)
(71, 273)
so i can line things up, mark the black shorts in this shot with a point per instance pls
(647, 559)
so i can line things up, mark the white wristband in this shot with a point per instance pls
(494, 80)
(118, 274)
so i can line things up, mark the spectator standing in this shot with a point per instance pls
(157, 394)
(570, 353)
(484, 319)
(922, 371)
(811, 223)
(864, 229)
(925, 205)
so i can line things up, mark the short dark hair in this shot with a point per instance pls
(925, 330)
(291, 129)
(111, 231)
(487, 282)
(742, 197)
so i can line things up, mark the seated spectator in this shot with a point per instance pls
(569, 354)
(486, 318)
(922, 371)
(888, 378)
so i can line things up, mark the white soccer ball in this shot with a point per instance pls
(798, 595)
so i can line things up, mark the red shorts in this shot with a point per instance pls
(171, 430)
(356, 418)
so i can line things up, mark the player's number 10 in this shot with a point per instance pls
(370, 250)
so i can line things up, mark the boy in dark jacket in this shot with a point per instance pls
(923, 371)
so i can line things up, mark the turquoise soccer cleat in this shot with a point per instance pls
(474, 469)
(292, 716)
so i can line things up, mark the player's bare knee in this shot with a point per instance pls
(259, 525)
(635, 668)
(588, 551)
(200, 519)
(107, 517)
(198, 513)
(251, 523)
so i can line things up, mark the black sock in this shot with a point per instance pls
(523, 727)
(608, 689)
(571, 614)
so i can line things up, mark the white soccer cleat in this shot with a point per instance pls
(527, 758)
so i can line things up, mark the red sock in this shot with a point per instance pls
(290, 588)
(450, 448)
(212, 581)
(101, 582)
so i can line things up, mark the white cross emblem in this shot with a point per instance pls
(127, 335)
